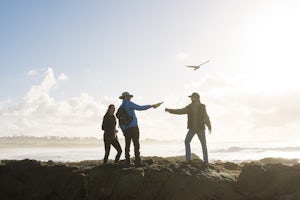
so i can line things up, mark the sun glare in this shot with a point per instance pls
(271, 45)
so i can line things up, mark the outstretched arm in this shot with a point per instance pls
(177, 111)
(138, 107)
(145, 107)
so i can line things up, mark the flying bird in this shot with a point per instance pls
(195, 67)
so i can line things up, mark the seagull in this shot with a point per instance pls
(197, 66)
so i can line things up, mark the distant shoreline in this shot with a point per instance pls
(56, 141)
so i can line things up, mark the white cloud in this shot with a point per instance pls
(63, 77)
(40, 114)
(237, 111)
(244, 107)
(40, 93)
(32, 72)
(5, 103)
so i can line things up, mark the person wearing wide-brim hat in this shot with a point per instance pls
(125, 94)
(197, 120)
(131, 130)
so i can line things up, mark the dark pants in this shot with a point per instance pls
(133, 134)
(115, 143)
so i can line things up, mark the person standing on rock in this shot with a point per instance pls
(197, 119)
(131, 130)
(110, 133)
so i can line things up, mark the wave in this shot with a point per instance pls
(66, 142)
(257, 149)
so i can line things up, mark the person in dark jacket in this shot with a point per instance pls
(197, 119)
(110, 133)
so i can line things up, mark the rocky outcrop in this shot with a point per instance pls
(29, 179)
(270, 181)
(162, 178)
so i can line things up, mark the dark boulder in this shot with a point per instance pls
(29, 179)
(269, 181)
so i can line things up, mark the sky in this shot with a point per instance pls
(63, 62)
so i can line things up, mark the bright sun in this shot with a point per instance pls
(272, 43)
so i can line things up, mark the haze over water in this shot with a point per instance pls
(77, 149)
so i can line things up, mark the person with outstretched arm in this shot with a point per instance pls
(131, 130)
(197, 120)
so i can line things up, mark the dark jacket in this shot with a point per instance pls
(109, 126)
(197, 116)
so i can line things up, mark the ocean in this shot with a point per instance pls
(74, 150)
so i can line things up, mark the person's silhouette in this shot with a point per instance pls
(197, 119)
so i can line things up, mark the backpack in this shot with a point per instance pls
(123, 116)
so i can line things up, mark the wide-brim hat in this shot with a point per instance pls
(195, 94)
(125, 94)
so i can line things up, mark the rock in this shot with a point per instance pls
(279, 160)
(161, 178)
(270, 181)
(28, 179)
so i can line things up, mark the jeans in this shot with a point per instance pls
(115, 143)
(133, 134)
(188, 139)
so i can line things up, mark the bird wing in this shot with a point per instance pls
(191, 66)
(203, 63)
(194, 67)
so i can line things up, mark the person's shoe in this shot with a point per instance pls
(116, 162)
(127, 163)
(187, 161)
